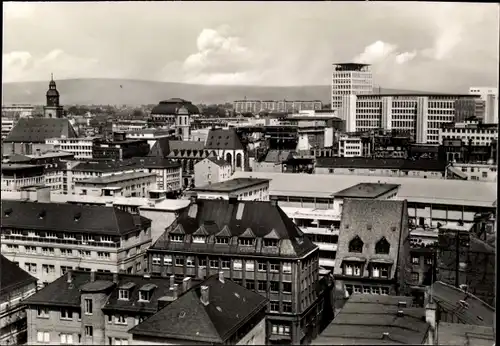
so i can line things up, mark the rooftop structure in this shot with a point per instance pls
(459, 334)
(367, 190)
(231, 185)
(110, 179)
(171, 107)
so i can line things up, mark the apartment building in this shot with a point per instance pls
(210, 171)
(48, 239)
(151, 135)
(350, 79)
(373, 248)
(256, 245)
(470, 132)
(133, 184)
(256, 106)
(420, 115)
(80, 147)
(350, 146)
(119, 148)
(245, 189)
(16, 176)
(17, 285)
(17, 111)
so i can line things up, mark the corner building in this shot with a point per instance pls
(256, 245)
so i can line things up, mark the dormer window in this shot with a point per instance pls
(270, 242)
(123, 294)
(199, 239)
(380, 271)
(7, 212)
(146, 292)
(352, 269)
(382, 246)
(356, 245)
(246, 241)
(176, 238)
(221, 240)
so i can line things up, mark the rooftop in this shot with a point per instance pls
(387, 163)
(367, 190)
(69, 218)
(18, 166)
(218, 162)
(188, 318)
(110, 179)
(224, 140)
(369, 319)
(37, 130)
(231, 185)
(50, 154)
(460, 334)
(12, 277)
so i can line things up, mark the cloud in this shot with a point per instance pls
(19, 66)
(406, 57)
(381, 52)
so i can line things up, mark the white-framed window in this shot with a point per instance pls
(274, 306)
(176, 238)
(352, 269)
(43, 337)
(270, 242)
(415, 259)
(66, 339)
(249, 266)
(120, 319)
(237, 264)
(66, 252)
(103, 255)
(199, 239)
(287, 267)
(145, 296)
(262, 266)
(156, 259)
(106, 239)
(384, 290)
(225, 264)
(280, 329)
(221, 240)
(246, 241)
(43, 312)
(274, 267)
(123, 294)
(118, 341)
(89, 331)
(66, 314)
(214, 264)
(167, 260)
(88, 306)
(190, 261)
(179, 261)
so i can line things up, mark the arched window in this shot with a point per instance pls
(382, 246)
(229, 158)
(356, 245)
(238, 160)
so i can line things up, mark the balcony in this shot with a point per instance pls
(25, 240)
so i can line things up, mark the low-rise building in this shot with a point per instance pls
(7, 126)
(48, 239)
(350, 146)
(80, 147)
(245, 189)
(17, 285)
(216, 312)
(16, 176)
(211, 170)
(274, 161)
(133, 184)
(470, 132)
(119, 148)
(472, 171)
(151, 135)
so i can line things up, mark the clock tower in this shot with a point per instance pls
(52, 108)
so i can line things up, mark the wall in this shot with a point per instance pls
(207, 172)
(53, 325)
(160, 219)
(267, 167)
(382, 172)
(257, 336)
(253, 193)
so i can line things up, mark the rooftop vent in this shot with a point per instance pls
(7, 212)
(78, 216)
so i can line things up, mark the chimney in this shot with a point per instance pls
(92, 276)
(174, 291)
(172, 281)
(70, 276)
(221, 276)
(204, 295)
(115, 278)
(186, 284)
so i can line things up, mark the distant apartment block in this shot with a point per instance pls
(350, 79)
(350, 146)
(16, 111)
(133, 184)
(80, 147)
(469, 132)
(256, 106)
(210, 171)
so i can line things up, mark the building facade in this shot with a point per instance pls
(490, 97)
(350, 79)
(16, 111)
(17, 176)
(80, 147)
(210, 171)
(134, 184)
(229, 147)
(469, 132)
(244, 189)
(256, 106)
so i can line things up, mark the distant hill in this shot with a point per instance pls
(137, 92)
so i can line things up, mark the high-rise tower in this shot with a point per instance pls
(350, 79)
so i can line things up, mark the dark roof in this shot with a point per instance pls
(134, 162)
(113, 178)
(278, 156)
(18, 158)
(250, 217)
(232, 185)
(370, 220)
(365, 318)
(187, 318)
(223, 139)
(366, 190)
(448, 298)
(171, 107)
(37, 130)
(74, 218)
(388, 163)
(161, 148)
(12, 277)
(186, 145)
(218, 162)
(460, 334)
(18, 166)
(62, 293)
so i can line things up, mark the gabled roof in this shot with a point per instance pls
(37, 130)
(187, 318)
(161, 148)
(224, 140)
(186, 145)
(242, 219)
(12, 277)
(201, 231)
(370, 220)
(225, 232)
(272, 235)
(72, 218)
(218, 162)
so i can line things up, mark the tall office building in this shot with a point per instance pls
(490, 96)
(350, 79)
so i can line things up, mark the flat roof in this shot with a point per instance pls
(109, 179)
(464, 334)
(366, 190)
(17, 166)
(417, 190)
(50, 154)
(231, 185)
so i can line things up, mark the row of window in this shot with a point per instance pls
(199, 239)
(367, 289)
(71, 236)
(48, 251)
(376, 271)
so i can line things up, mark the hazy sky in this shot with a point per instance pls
(420, 46)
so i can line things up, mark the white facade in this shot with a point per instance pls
(17, 111)
(207, 172)
(150, 136)
(80, 147)
(469, 131)
(135, 184)
(256, 192)
(476, 171)
(490, 96)
(256, 106)
(7, 126)
(350, 146)
(350, 79)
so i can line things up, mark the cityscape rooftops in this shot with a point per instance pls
(219, 162)
(231, 185)
(386, 163)
(223, 139)
(460, 334)
(369, 319)
(18, 166)
(110, 179)
(37, 130)
(12, 278)
(367, 190)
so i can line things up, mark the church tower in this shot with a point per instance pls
(52, 108)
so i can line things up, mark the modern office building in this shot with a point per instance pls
(490, 97)
(16, 111)
(80, 147)
(244, 189)
(350, 79)
(133, 184)
(16, 176)
(256, 106)
(470, 132)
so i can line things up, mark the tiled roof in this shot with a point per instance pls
(448, 298)
(36, 130)
(260, 217)
(224, 140)
(161, 148)
(454, 192)
(186, 145)
(171, 107)
(187, 318)
(459, 334)
(231, 185)
(73, 218)
(365, 318)
(12, 277)
(389, 163)
(371, 220)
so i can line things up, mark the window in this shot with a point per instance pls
(375, 290)
(356, 245)
(48, 269)
(30, 249)
(249, 266)
(262, 285)
(214, 264)
(156, 259)
(43, 313)
(66, 252)
(88, 306)
(274, 267)
(274, 306)
(106, 239)
(120, 319)
(352, 269)
(225, 264)
(262, 266)
(190, 261)
(66, 314)
(145, 296)
(287, 307)
(89, 331)
(199, 239)
(287, 268)
(43, 336)
(415, 259)
(221, 240)
(202, 262)
(237, 265)
(103, 255)
(485, 174)
(382, 246)
(246, 241)
(118, 341)
(177, 238)
(287, 287)
(179, 261)
(48, 251)
(429, 260)
(66, 339)
(275, 286)
(384, 290)
(167, 260)
(123, 294)
(366, 290)
(250, 284)
(415, 277)
(270, 243)
(281, 329)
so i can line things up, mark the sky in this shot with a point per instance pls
(411, 45)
